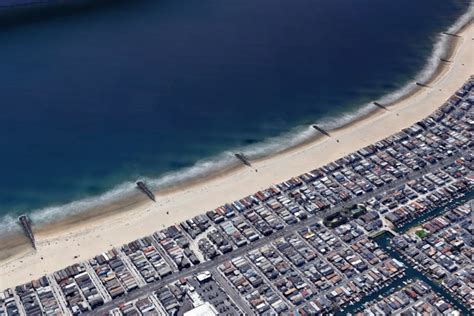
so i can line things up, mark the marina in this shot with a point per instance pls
(412, 295)
(385, 242)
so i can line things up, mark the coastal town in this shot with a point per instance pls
(386, 229)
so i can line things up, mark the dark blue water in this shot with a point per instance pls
(94, 95)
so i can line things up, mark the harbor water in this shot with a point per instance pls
(383, 241)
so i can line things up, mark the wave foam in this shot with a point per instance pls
(9, 225)
(202, 168)
(440, 51)
(227, 160)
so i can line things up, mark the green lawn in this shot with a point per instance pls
(421, 233)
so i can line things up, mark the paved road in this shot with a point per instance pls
(209, 265)
(231, 292)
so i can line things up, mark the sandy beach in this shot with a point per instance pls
(74, 242)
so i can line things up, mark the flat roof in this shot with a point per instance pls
(203, 276)
(206, 309)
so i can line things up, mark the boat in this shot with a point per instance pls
(143, 187)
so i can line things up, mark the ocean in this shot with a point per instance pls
(97, 94)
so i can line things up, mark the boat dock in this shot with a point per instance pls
(143, 187)
(322, 131)
(25, 223)
(244, 159)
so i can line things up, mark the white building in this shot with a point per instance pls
(206, 309)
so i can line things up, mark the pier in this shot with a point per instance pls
(231, 240)
(383, 107)
(25, 223)
(450, 34)
(322, 131)
(243, 159)
(143, 187)
(424, 85)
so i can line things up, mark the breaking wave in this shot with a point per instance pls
(226, 160)
(441, 50)
(9, 225)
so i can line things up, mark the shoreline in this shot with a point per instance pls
(136, 216)
(225, 163)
